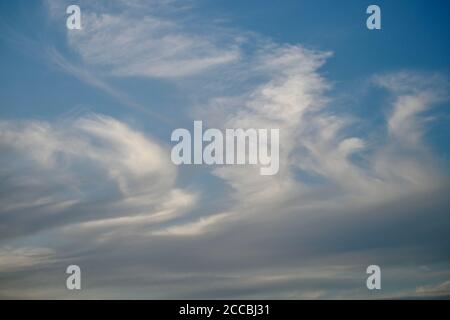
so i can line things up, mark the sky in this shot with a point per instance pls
(86, 177)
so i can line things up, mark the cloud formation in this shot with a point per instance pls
(48, 170)
(151, 45)
(96, 192)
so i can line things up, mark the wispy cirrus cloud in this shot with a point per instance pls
(351, 170)
(106, 196)
(153, 45)
(134, 185)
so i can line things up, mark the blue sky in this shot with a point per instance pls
(413, 38)
(85, 123)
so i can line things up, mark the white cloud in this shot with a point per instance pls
(133, 41)
(293, 96)
(112, 198)
(96, 167)
(319, 142)
(195, 228)
(414, 94)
